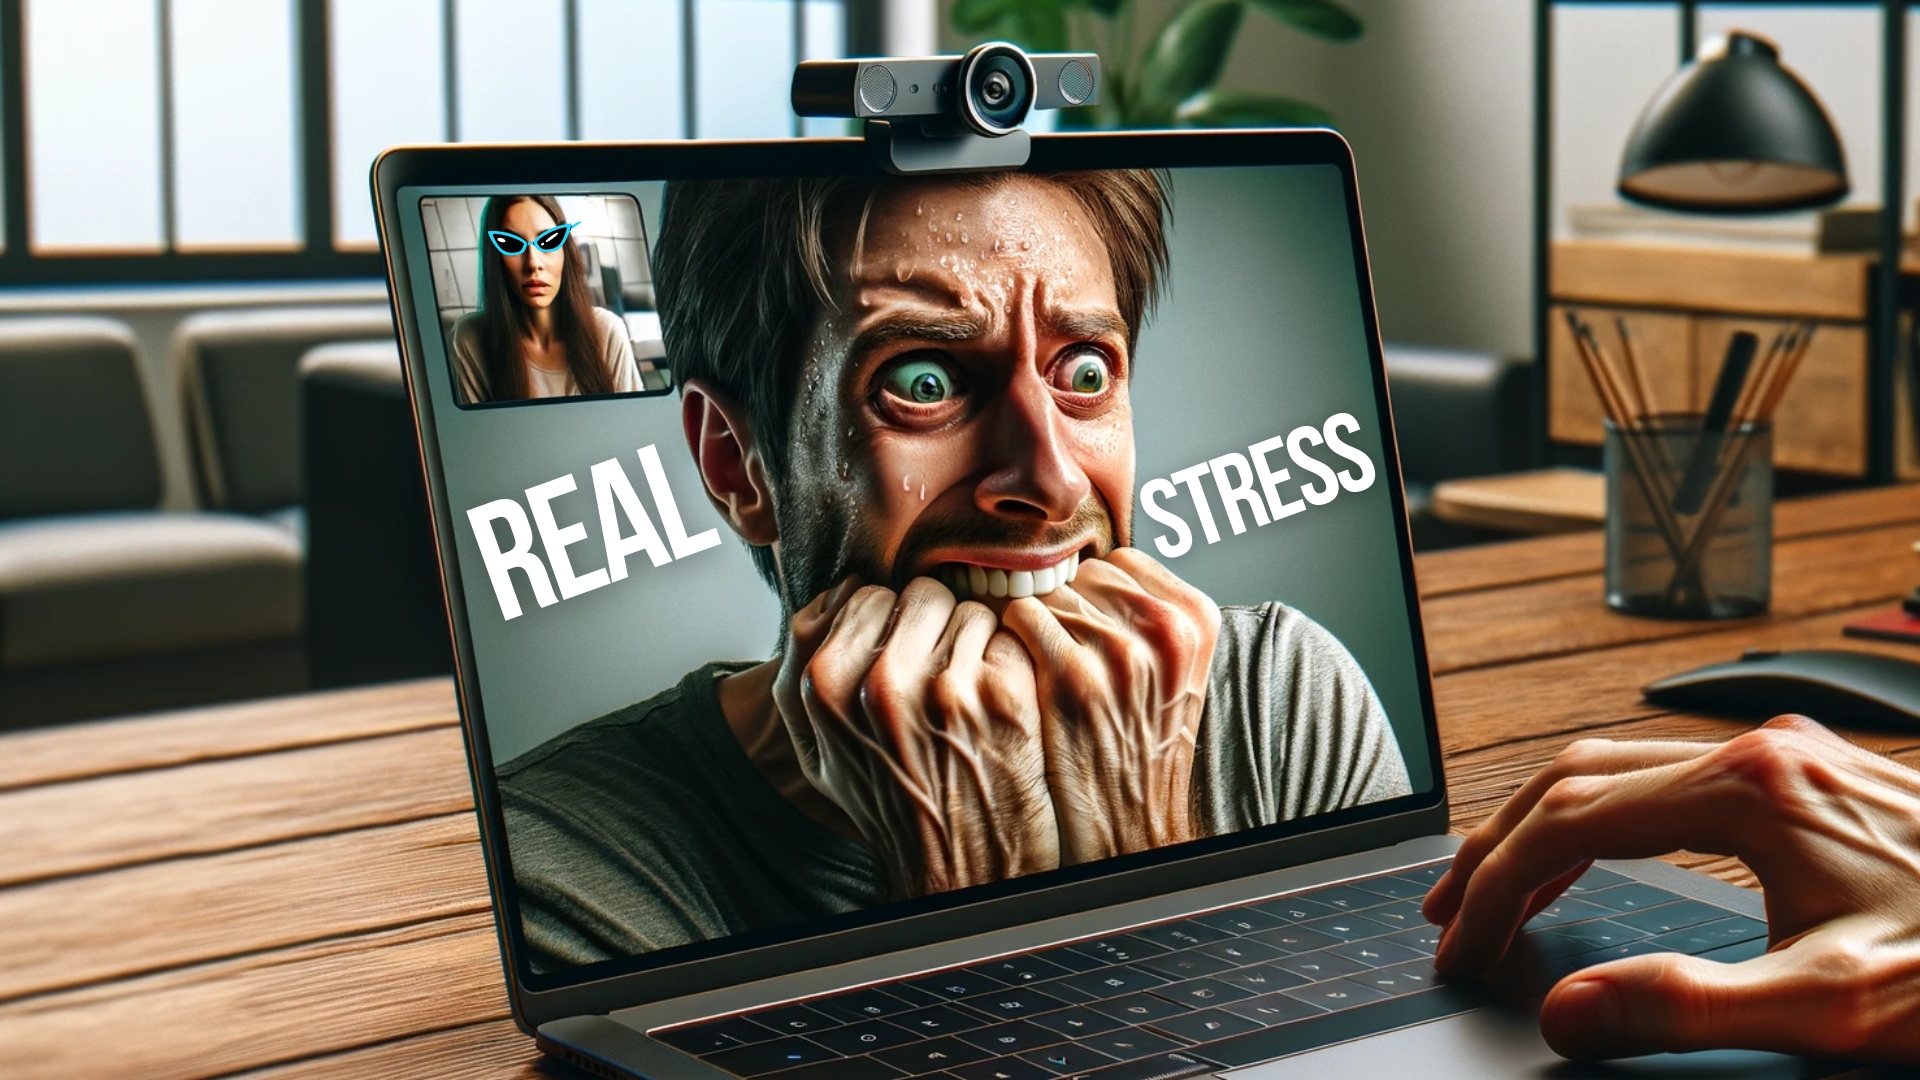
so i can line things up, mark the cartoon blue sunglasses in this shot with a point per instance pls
(511, 244)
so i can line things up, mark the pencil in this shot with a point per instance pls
(1634, 370)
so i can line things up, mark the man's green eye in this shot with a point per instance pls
(1087, 374)
(923, 382)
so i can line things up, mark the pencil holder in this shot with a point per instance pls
(1689, 519)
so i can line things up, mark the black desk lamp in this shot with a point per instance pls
(1734, 132)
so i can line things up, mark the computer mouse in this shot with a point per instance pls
(1825, 684)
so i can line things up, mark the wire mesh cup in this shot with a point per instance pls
(1689, 519)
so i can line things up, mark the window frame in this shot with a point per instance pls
(318, 256)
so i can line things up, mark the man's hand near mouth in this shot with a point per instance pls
(1121, 658)
(917, 714)
(963, 760)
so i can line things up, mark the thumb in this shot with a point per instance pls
(1670, 1003)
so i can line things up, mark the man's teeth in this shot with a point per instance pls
(979, 582)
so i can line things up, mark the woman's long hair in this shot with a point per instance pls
(505, 321)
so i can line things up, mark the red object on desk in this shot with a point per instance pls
(1895, 625)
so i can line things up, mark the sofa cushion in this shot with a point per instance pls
(75, 435)
(101, 586)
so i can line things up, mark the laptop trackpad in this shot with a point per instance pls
(1488, 1043)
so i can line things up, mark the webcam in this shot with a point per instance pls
(948, 113)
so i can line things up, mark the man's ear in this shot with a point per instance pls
(730, 465)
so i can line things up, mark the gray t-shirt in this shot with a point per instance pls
(650, 827)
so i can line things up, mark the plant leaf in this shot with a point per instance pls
(1234, 108)
(1039, 26)
(1188, 53)
(1321, 18)
(978, 16)
(1107, 8)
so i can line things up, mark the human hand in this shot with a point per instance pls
(1831, 830)
(917, 716)
(1121, 660)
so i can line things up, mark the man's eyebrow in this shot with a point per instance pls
(1087, 323)
(958, 327)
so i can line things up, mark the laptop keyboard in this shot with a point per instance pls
(1191, 995)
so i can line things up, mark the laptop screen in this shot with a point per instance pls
(838, 548)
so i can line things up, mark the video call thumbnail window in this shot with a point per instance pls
(543, 297)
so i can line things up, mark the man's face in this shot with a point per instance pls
(964, 414)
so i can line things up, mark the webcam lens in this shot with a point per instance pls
(999, 89)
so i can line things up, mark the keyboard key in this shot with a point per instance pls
(1424, 940)
(794, 1020)
(1294, 908)
(1346, 898)
(1110, 982)
(1670, 917)
(1558, 941)
(1427, 876)
(1630, 897)
(1067, 1058)
(715, 1035)
(1238, 951)
(1734, 954)
(1199, 993)
(1401, 979)
(1184, 934)
(1270, 1009)
(1713, 935)
(1065, 957)
(1596, 879)
(1139, 1008)
(1206, 1025)
(862, 1005)
(1336, 994)
(937, 1020)
(1312, 1032)
(1011, 1002)
(1394, 888)
(865, 1038)
(1078, 1021)
(950, 985)
(1011, 1038)
(1190, 964)
(1293, 939)
(1262, 978)
(1375, 953)
(1016, 970)
(1124, 949)
(1008, 1068)
(926, 1057)
(1244, 920)
(1399, 915)
(1130, 1044)
(1158, 1067)
(766, 1057)
(1567, 909)
(1346, 927)
(860, 1068)
(1320, 965)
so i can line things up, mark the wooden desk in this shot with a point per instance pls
(293, 888)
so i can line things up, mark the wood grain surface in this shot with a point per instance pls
(293, 889)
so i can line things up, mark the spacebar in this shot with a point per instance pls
(1343, 1026)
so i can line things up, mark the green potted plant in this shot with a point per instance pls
(1169, 80)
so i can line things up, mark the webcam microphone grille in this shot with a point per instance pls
(877, 88)
(1076, 81)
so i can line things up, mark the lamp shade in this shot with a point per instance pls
(1734, 132)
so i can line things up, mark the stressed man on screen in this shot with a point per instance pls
(910, 397)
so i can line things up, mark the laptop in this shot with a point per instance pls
(953, 626)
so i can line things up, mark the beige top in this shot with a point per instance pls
(615, 351)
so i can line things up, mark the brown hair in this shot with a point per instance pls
(742, 271)
(505, 322)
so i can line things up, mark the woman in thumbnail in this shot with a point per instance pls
(537, 333)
